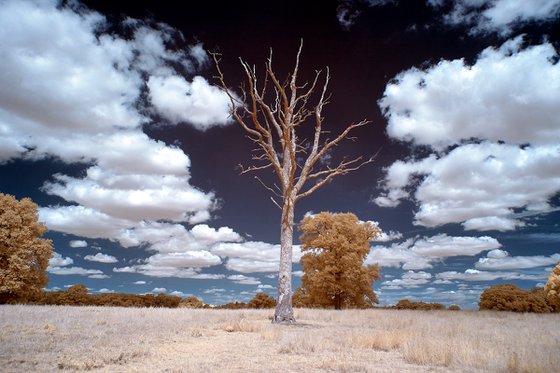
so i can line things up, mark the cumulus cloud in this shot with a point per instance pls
(101, 258)
(74, 271)
(58, 261)
(139, 282)
(500, 16)
(78, 243)
(105, 291)
(152, 271)
(422, 253)
(493, 102)
(409, 279)
(252, 256)
(195, 102)
(244, 280)
(501, 260)
(74, 92)
(476, 275)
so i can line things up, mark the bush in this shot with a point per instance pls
(508, 297)
(552, 289)
(454, 308)
(191, 302)
(262, 300)
(405, 304)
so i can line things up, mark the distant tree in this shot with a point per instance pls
(191, 302)
(271, 113)
(508, 297)
(335, 247)
(405, 304)
(454, 308)
(24, 255)
(77, 295)
(262, 300)
(552, 288)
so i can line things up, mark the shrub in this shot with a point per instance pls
(552, 289)
(454, 308)
(405, 304)
(508, 297)
(262, 300)
(191, 302)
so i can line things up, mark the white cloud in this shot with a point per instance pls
(73, 93)
(99, 277)
(244, 280)
(58, 261)
(73, 271)
(501, 260)
(139, 282)
(159, 290)
(511, 171)
(476, 275)
(197, 103)
(493, 99)
(409, 279)
(105, 291)
(101, 258)
(421, 253)
(500, 16)
(252, 256)
(78, 243)
(168, 271)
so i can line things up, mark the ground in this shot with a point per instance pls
(109, 339)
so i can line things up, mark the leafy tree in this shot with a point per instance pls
(191, 302)
(454, 307)
(24, 256)
(508, 297)
(335, 247)
(272, 113)
(405, 304)
(552, 288)
(262, 300)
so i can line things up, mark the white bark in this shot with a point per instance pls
(272, 128)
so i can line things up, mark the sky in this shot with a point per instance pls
(112, 122)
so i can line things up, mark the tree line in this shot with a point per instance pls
(334, 248)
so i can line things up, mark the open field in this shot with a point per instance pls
(107, 339)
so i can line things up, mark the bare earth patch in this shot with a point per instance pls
(108, 339)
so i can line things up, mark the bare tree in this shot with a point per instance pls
(271, 113)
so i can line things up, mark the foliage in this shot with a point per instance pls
(24, 256)
(508, 297)
(233, 306)
(192, 302)
(454, 307)
(335, 247)
(262, 300)
(405, 304)
(552, 288)
(77, 295)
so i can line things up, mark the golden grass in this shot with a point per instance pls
(57, 338)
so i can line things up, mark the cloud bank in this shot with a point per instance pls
(494, 132)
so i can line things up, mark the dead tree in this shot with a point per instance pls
(271, 115)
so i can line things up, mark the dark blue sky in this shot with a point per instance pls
(110, 121)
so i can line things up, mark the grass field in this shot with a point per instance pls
(59, 338)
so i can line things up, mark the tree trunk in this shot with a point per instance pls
(284, 312)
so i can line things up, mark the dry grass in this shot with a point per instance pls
(50, 338)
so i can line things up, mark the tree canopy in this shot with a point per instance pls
(508, 297)
(335, 247)
(24, 255)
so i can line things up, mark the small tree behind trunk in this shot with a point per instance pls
(270, 118)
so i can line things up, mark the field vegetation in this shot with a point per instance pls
(116, 339)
